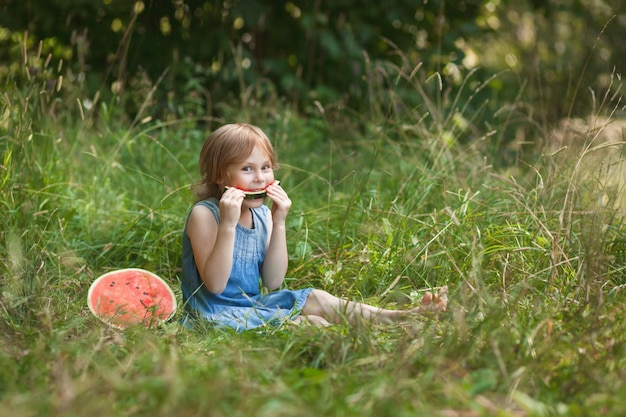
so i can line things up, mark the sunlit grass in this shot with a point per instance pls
(533, 258)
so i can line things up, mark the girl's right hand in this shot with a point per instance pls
(230, 206)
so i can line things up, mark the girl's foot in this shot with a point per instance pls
(433, 303)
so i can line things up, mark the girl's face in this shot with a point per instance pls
(253, 174)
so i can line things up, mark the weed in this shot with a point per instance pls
(411, 199)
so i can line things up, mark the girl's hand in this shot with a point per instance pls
(230, 206)
(280, 203)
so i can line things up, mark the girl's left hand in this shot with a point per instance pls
(280, 202)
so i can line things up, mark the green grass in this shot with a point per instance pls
(533, 258)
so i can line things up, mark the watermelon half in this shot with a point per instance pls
(132, 296)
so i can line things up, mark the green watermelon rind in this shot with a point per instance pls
(255, 195)
(120, 323)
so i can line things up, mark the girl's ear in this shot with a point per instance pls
(222, 181)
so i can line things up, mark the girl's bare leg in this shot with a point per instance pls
(312, 319)
(333, 309)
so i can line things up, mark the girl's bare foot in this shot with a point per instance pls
(434, 303)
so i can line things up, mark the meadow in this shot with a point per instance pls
(386, 205)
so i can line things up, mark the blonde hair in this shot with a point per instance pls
(230, 144)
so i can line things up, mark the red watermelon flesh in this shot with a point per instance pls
(131, 296)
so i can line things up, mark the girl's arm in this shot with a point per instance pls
(276, 258)
(213, 244)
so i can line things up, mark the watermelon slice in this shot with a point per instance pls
(132, 296)
(254, 195)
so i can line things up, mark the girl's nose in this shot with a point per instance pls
(259, 176)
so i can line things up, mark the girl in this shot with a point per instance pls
(231, 239)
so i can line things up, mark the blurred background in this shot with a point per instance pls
(171, 59)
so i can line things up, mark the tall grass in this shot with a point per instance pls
(533, 257)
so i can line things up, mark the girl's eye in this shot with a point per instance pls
(263, 168)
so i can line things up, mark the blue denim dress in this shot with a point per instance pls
(241, 305)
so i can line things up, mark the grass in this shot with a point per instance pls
(533, 257)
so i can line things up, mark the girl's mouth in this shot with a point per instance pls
(255, 195)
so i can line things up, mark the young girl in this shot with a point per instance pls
(231, 239)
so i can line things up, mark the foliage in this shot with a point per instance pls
(202, 55)
(387, 202)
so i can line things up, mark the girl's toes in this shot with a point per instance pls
(427, 299)
(443, 292)
(442, 303)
